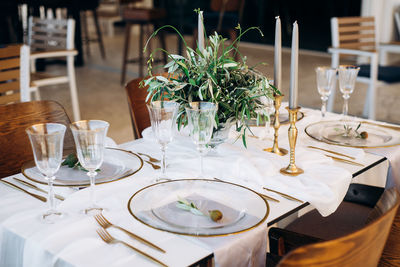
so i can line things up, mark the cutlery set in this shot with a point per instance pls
(352, 162)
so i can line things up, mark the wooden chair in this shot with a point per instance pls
(14, 142)
(54, 38)
(356, 36)
(137, 104)
(391, 47)
(144, 17)
(14, 74)
(364, 245)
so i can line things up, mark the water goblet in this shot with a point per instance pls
(347, 79)
(47, 145)
(326, 81)
(201, 120)
(163, 120)
(89, 136)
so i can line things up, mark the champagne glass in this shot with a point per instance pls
(347, 79)
(201, 118)
(163, 120)
(326, 81)
(47, 146)
(89, 136)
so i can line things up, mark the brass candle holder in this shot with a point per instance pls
(292, 169)
(275, 148)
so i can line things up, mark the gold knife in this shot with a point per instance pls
(23, 190)
(37, 188)
(333, 152)
(284, 195)
(345, 161)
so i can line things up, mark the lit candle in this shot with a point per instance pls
(200, 27)
(278, 55)
(294, 70)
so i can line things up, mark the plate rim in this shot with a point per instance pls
(200, 235)
(23, 168)
(338, 144)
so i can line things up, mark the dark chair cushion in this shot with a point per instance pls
(347, 218)
(388, 74)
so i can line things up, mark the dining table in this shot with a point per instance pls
(73, 241)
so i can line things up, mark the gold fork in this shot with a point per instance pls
(156, 167)
(103, 222)
(110, 239)
(150, 157)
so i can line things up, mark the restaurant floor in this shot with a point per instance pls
(102, 97)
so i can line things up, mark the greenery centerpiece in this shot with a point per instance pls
(212, 74)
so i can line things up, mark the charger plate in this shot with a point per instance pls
(117, 164)
(331, 132)
(155, 206)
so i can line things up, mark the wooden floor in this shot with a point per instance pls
(102, 97)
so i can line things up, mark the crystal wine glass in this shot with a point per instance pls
(89, 136)
(347, 79)
(47, 146)
(326, 81)
(201, 118)
(163, 120)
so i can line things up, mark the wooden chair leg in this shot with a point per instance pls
(126, 51)
(85, 32)
(99, 35)
(141, 51)
(72, 88)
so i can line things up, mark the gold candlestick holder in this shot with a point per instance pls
(275, 148)
(292, 169)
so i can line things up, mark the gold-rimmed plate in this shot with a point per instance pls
(155, 206)
(117, 164)
(333, 132)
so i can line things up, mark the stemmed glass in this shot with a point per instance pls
(347, 79)
(89, 136)
(47, 145)
(163, 121)
(326, 81)
(201, 118)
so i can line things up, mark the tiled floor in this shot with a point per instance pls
(102, 97)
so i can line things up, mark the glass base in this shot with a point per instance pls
(52, 216)
(93, 210)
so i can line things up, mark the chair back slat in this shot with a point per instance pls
(14, 142)
(48, 34)
(137, 104)
(10, 74)
(361, 248)
(354, 33)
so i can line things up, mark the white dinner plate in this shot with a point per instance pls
(156, 206)
(117, 164)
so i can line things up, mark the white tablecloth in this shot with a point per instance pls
(26, 242)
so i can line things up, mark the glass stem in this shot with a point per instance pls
(92, 174)
(201, 150)
(323, 107)
(163, 161)
(345, 105)
(50, 198)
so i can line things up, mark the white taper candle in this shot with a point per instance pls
(200, 27)
(278, 55)
(294, 67)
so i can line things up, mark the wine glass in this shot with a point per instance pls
(89, 136)
(347, 79)
(326, 81)
(47, 145)
(163, 120)
(201, 118)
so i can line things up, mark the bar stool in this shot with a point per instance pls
(142, 17)
(91, 6)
